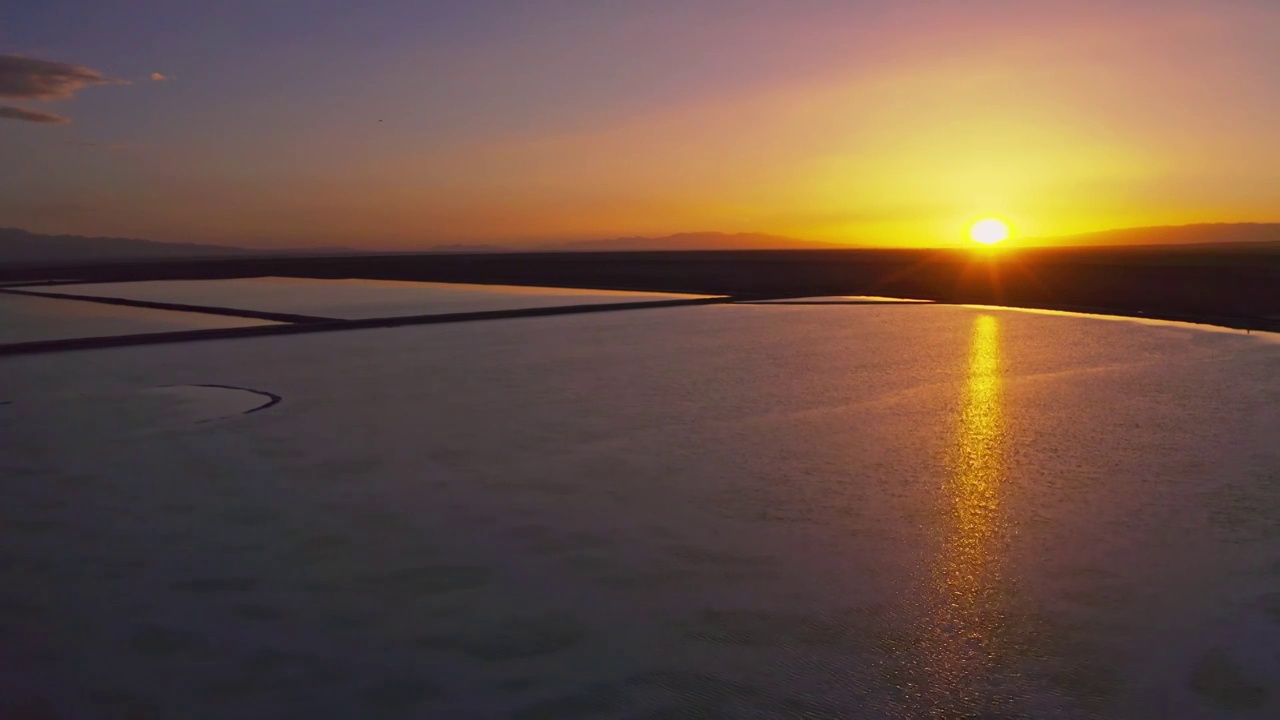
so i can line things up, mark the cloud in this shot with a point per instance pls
(17, 113)
(23, 77)
(160, 76)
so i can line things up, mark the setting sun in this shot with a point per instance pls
(989, 231)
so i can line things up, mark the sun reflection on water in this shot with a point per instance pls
(961, 643)
(977, 470)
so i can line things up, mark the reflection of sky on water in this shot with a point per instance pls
(352, 299)
(877, 511)
(31, 319)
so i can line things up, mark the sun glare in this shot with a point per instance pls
(989, 231)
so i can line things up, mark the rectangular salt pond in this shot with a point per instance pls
(847, 511)
(352, 299)
(28, 319)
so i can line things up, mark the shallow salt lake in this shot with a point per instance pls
(24, 318)
(879, 511)
(352, 299)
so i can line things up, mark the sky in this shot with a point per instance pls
(394, 124)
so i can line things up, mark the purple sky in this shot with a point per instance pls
(394, 124)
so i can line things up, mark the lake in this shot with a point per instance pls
(878, 511)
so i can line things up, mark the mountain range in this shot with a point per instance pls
(24, 247)
(694, 241)
(1181, 235)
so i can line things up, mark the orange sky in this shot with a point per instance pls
(871, 122)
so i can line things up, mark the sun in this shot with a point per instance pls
(989, 231)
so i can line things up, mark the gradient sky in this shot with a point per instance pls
(396, 123)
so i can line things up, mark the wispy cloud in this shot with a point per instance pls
(34, 79)
(36, 116)
(160, 76)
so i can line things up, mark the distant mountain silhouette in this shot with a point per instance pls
(1252, 234)
(679, 241)
(468, 248)
(695, 241)
(21, 246)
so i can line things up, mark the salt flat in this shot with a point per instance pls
(27, 319)
(880, 511)
(351, 299)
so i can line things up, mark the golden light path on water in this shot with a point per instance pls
(961, 638)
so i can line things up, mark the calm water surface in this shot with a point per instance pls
(782, 511)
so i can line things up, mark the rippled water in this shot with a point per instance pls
(778, 511)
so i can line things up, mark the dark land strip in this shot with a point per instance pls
(835, 302)
(35, 283)
(179, 307)
(181, 336)
(1236, 285)
(1203, 283)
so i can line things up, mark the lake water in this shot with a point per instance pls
(879, 511)
(352, 299)
(28, 319)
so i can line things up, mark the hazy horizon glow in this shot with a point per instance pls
(413, 123)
